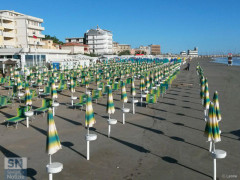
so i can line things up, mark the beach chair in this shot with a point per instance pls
(162, 90)
(20, 116)
(10, 85)
(105, 90)
(5, 101)
(128, 81)
(62, 86)
(115, 87)
(155, 91)
(46, 103)
(2, 80)
(82, 101)
(96, 94)
(151, 99)
(47, 91)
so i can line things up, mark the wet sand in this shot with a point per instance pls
(163, 141)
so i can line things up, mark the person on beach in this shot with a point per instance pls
(188, 66)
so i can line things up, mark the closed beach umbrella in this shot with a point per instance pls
(28, 98)
(86, 81)
(19, 83)
(53, 142)
(206, 95)
(142, 83)
(72, 85)
(212, 128)
(147, 82)
(89, 115)
(53, 91)
(202, 88)
(124, 97)
(216, 105)
(110, 104)
(39, 80)
(133, 90)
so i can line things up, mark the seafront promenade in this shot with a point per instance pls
(162, 141)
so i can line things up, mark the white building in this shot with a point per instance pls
(18, 30)
(193, 53)
(183, 53)
(75, 40)
(99, 41)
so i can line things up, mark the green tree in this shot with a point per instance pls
(54, 38)
(126, 52)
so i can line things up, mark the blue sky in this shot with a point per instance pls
(211, 25)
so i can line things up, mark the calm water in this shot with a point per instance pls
(236, 61)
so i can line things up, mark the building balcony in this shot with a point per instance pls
(8, 26)
(38, 35)
(30, 26)
(9, 43)
(8, 34)
(38, 43)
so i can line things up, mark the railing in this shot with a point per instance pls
(8, 25)
(36, 27)
(8, 34)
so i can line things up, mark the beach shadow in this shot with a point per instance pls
(146, 128)
(69, 120)
(7, 115)
(7, 153)
(174, 161)
(39, 130)
(186, 107)
(236, 133)
(31, 173)
(182, 140)
(181, 114)
(131, 145)
(169, 98)
(154, 117)
(171, 104)
(69, 145)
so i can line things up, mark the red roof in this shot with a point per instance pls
(74, 44)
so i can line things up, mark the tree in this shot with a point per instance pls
(54, 38)
(126, 52)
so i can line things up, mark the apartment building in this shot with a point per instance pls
(193, 53)
(117, 48)
(49, 44)
(99, 41)
(75, 40)
(20, 31)
(76, 48)
(155, 49)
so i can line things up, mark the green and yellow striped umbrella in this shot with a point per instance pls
(53, 91)
(202, 87)
(147, 82)
(72, 85)
(28, 97)
(124, 97)
(206, 95)
(212, 128)
(87, 81)
(110, 104)
(19, 83)
(53, 142)
(142, 83)
(89, 115)
(216, 105)
(133, 90)
(39, 80)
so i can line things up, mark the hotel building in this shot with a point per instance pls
(99, 41)
(117, 48)
(20, 31)
(193, 53)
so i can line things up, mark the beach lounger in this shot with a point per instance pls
(47, 91)
(20, 116)
(151, 99)
(96, 94)
(82, 101)
(46, 103)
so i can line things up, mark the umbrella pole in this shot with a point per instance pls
(133, 106)
(50, 176)
(141, 97)
(210, 146)
(214, 169)
(88, 145)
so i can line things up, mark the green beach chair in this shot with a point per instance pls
(46, 103)
(82, 101)
(47, 91)
(96, 94)
(20, 116)
(151, 99)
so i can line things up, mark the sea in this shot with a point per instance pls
(224, 60)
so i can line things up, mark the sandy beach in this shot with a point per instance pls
(162, 141)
